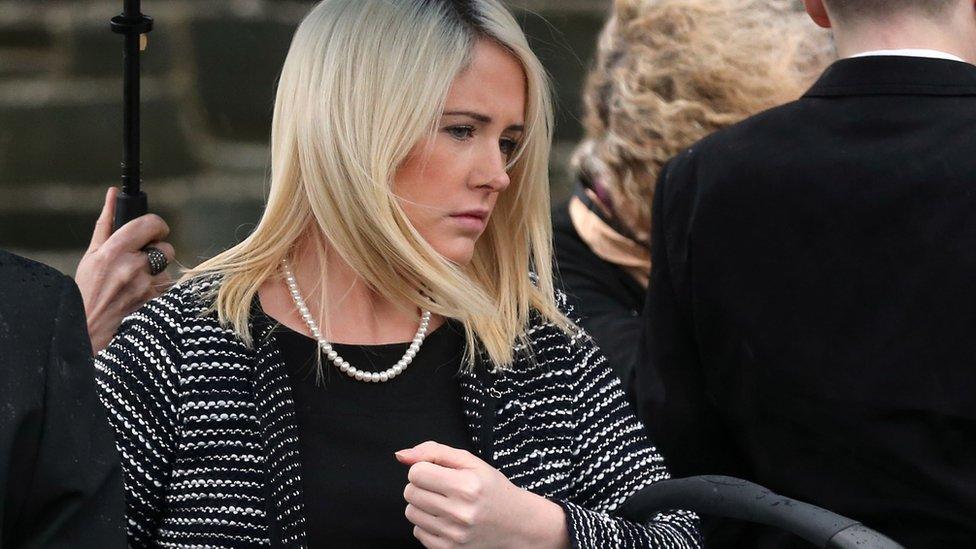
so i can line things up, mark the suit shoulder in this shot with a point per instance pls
(752, 135)
(735, 151)
(27, 283)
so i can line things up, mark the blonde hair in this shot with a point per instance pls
(670, 72)
(363, 82)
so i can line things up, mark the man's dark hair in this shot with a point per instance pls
(857, 10)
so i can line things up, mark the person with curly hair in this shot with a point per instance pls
(667, 73)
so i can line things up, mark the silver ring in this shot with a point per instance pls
(157, 260)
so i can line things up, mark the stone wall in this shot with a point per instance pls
(208, 91)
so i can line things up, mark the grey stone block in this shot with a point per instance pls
(82, 141)
(27, 33)
(20, 63)
(238, 63)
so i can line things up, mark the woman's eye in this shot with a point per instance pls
(508, 147)
(460, 132)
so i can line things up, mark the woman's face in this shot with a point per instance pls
(449, 183)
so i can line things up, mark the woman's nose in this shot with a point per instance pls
(494, 172)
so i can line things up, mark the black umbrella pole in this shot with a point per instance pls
(132, 201)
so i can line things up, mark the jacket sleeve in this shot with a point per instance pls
(670, 389)
(74, 496)
(137, 378)
(613, 459)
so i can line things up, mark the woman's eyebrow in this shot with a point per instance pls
(484, 119)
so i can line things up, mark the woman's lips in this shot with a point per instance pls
(473, 220)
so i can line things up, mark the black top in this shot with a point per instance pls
(349, 430)
(606, 298)
(811, 319)
(60, 480)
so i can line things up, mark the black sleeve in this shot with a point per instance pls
(613, 324)
(75, 489)
(601, 298)
(672, 397)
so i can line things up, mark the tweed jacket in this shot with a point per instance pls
(209, 442)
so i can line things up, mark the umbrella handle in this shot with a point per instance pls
(132, 24)
(129, 207)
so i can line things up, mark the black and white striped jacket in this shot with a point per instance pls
(207, 433)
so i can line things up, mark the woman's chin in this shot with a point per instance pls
(459, 252)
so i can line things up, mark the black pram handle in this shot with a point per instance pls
(735, 498)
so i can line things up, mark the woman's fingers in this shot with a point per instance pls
(433, 478)
(137, 234)
(103, 227)
(436, 527)
(429, 540)
(427, 501)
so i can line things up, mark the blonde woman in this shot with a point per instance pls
(375, 365)
(668, 72)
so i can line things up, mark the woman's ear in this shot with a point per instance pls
(818, 12)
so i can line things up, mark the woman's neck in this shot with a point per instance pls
(353, 312)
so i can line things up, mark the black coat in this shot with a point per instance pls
(60, 481)
(811, 319)
(607, 299)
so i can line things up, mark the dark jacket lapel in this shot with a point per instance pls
(279, 431)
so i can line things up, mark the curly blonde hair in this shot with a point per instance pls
(670, 72)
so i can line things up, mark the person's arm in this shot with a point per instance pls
(138, 383)
(74, 495)
(670, 390)
(613, 460)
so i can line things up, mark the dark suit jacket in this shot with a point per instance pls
(606, 298)
(811, 320)
(60, 482)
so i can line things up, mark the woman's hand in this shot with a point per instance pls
(455, 499)
(113, 275)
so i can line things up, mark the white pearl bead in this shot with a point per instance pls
(332, 355)
(411, 353)
(358, 375)
(384, 377)
(397, 369)
(344, 367)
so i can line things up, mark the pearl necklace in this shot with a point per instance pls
(340, 363)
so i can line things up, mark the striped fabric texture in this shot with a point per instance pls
(207, 433)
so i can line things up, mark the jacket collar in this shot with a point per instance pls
(895, 75)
